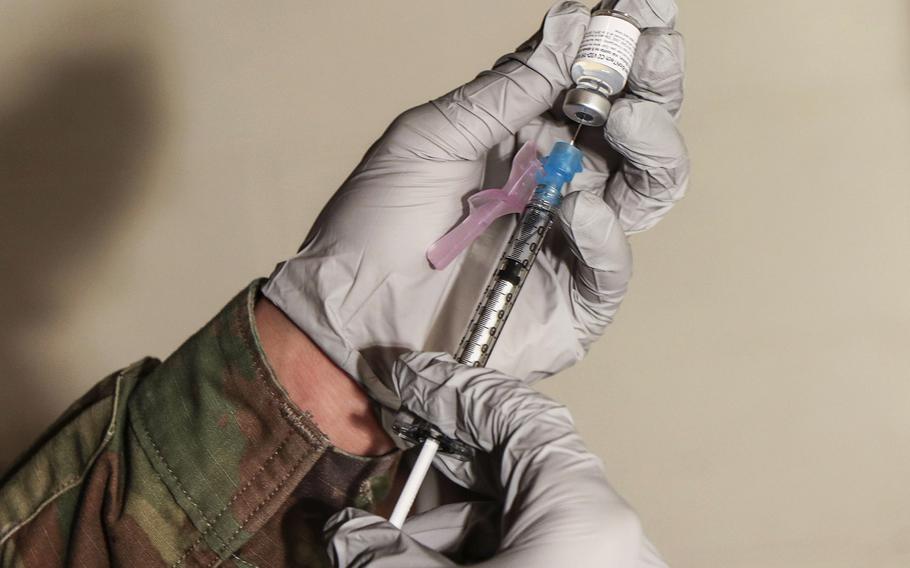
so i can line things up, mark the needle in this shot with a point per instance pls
(577, 132)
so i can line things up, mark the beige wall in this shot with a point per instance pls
(752, 399)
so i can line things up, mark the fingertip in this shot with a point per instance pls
(351, 518)
(650, 13)
(621, 123)
(569, 7)
(665, 11)
(405, 369)
(414, 374)
(349, 531)
(419, 361)
(563, 28)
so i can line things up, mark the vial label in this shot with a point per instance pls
(610, 41)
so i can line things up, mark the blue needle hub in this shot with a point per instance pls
(559, 168)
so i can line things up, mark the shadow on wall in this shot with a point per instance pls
(69, 151)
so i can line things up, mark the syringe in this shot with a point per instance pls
(496, 304)
(600, 71)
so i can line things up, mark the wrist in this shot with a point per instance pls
(338, 405)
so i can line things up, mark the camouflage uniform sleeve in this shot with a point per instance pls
(53, 496)
(179, 463)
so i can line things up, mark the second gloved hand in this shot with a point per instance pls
(556, 507)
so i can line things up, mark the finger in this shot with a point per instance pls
(426, 385)
(658, 69)
(473, 118)
(604, 259)
(650, 13)
(476, 405)
(452, 528)
(655, 170)
(357, 539)
(351, 534)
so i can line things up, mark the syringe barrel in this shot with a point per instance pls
(527, 239)
(504, 285)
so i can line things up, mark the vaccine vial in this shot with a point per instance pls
(602, 66)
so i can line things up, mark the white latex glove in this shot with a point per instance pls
(556, 507)
(361, 287)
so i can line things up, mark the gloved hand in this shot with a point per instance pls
(361, 287)
(557, 508)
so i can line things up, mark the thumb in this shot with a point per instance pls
(466, 530)
(468, 121)
(604, 258)
(356, 539)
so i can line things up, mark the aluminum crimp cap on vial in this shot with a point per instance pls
(586, 106)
